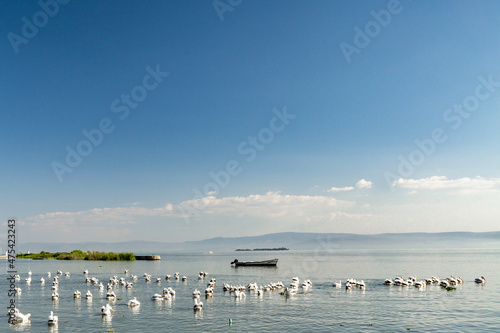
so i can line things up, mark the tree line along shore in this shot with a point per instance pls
(79, 255)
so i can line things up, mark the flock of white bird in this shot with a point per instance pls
(238, 291)
(448, 283)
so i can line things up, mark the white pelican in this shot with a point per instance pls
(86, 271)
(176, 275)
(18, 316)
(88, 295)
(129, 285)
(239, 294)
(420, 284)
(170, 291)
(18, 290)
(444, 283)
(157, 297)
(106, 310)
(42, 280)
(101, 286)
(209, 291)
(184, 278)
(388, 282)
(66, 274)
(110, 295)
(29, 273)
(17, 277)
(52, 320)
(482, 279)
(361, 284)
(348, 285)
(133, 302)
(55, 296)
(289, 291)
(126, 271)
(158, 280)
(28, 280)
(196, 293)
(49, 274)
(167, 277)
(77, 294)
(198, 305)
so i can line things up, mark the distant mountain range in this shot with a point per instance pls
(291, 240)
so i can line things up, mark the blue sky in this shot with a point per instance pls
(332, 165)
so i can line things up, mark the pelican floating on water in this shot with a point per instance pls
(198, 305)
(19, 317)
(482, 279)
(55, 296)
(111, 295)
(157, 297)
(52, 320)
(77, 294)
(88, 295)
(134, 302)
(106, 310)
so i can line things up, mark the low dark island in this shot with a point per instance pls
(79, 255)
(266, 249)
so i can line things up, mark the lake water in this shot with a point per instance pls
(378, 308)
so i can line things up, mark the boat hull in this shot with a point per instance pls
(271, 262)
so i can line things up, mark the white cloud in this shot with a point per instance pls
(441, 182)
(341, 189)
(364, 184)
(269, 206)
(361, 184)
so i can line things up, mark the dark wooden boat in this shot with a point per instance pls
(270, 262)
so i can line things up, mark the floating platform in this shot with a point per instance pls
(150, 257)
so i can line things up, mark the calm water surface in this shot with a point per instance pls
(378, 308)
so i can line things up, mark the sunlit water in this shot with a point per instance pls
(378, 308)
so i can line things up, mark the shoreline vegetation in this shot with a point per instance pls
(79, 255)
